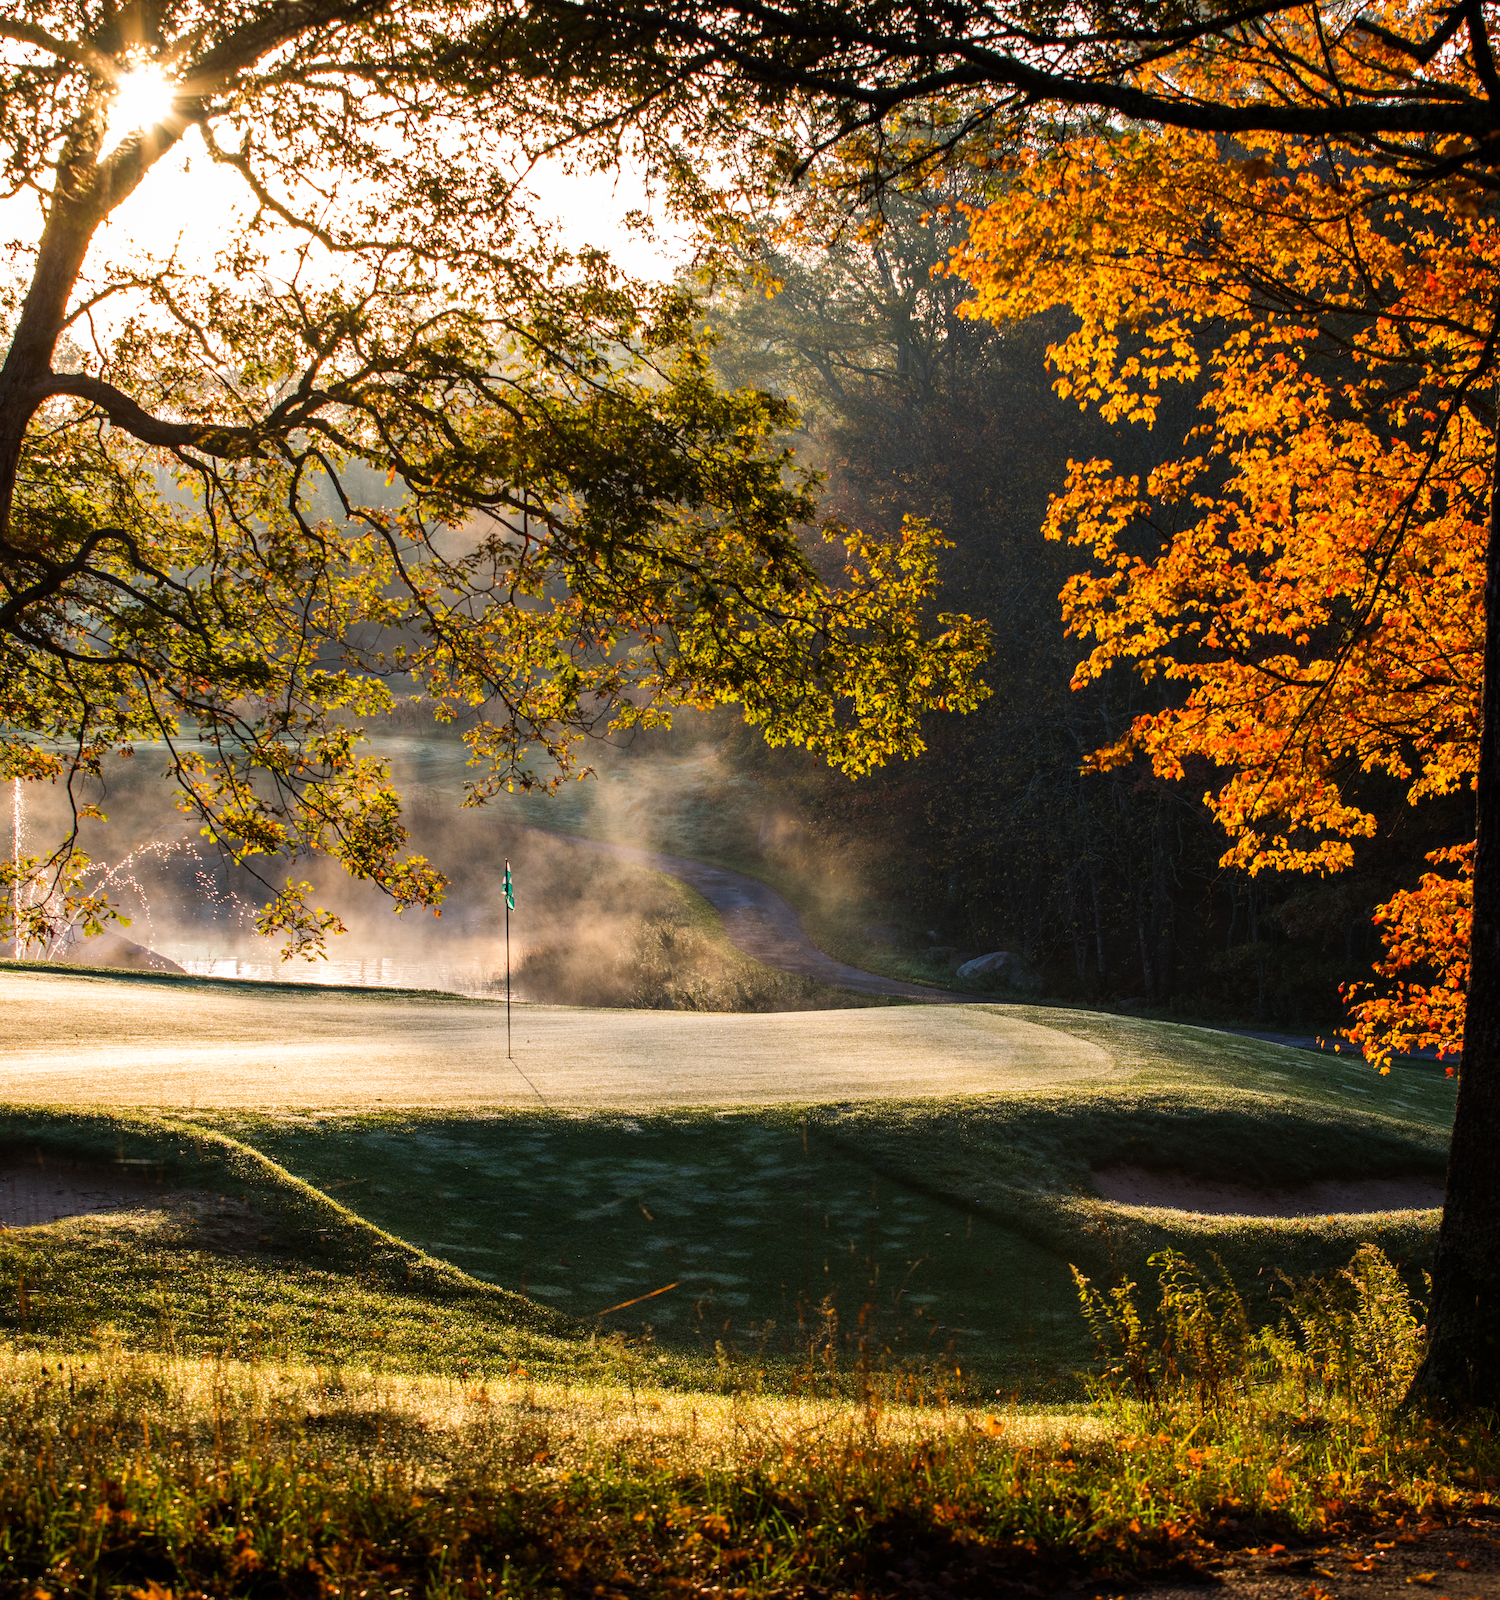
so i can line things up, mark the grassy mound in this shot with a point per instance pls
(308, 1371)
(239, 1257)
(921, 1235)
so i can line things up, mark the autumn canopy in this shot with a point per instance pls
(1308, 562)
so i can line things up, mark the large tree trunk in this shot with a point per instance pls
(1463, 1352)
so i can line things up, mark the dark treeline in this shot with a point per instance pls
(1107, 884)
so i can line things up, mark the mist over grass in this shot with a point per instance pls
(587, 929)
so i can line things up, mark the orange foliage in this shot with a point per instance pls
(1307, 569)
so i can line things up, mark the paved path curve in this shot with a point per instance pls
(80, 1039)
(761, 922)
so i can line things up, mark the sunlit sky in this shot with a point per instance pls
(186, 199)
(185, 206)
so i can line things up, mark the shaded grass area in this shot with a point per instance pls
(291, 1382)
(924, 1231)
(772, 1238)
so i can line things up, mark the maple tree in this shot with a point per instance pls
(380, 432)
(1310, 562)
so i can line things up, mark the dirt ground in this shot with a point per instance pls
(1460, 1561)
(37, 1191)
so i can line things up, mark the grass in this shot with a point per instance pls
(251, 1262)
(934, 1233)
(148, 1477)
(263, 1392)
(772, 1237)
(932, 1230)
(314, 1375)
(930, 1234)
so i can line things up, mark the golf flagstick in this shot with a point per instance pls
(510, 905)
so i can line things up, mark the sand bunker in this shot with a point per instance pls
(1175, 1191)
(33, 1194)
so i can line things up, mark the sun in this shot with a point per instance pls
(143, 97)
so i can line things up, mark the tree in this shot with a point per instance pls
(1311, 566)
(1364, 143)
(391, 438)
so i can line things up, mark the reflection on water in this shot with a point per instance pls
(370, 972)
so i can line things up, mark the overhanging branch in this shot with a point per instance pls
(138, 422)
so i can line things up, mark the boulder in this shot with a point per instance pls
(113, 950)
(1001, 965)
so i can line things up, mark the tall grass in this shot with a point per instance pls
(142, 1476)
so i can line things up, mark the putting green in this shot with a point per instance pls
(81, 1039)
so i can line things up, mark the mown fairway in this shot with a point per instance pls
(102, 1038)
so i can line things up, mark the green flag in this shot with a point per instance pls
(510, 889)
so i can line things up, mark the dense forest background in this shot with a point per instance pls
(1107, 885)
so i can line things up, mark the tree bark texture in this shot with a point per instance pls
(1462, 1366)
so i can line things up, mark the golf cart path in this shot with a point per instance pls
(761, 923)
(82, 1039)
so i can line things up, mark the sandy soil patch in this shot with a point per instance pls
(38, 1190)
(1175, 1191)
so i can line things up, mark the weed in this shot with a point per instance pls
(1198, 1343)
(1355, 1336)
(1358, 1334)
